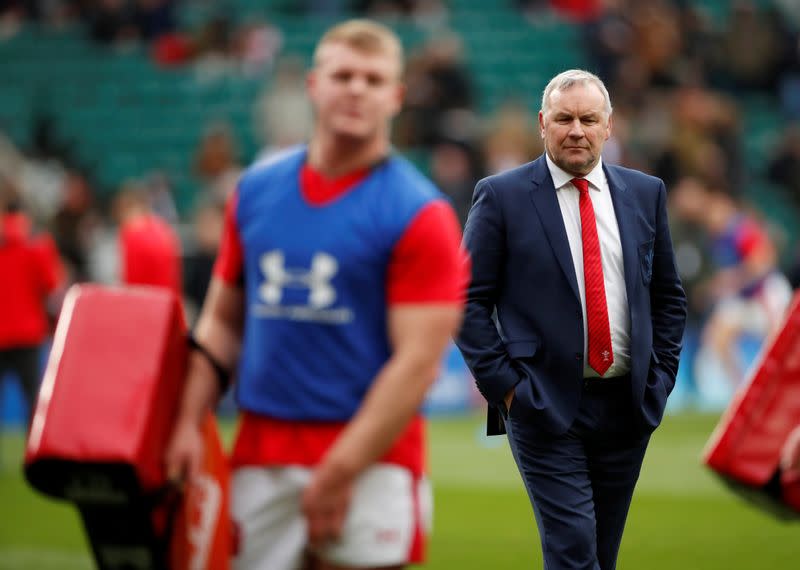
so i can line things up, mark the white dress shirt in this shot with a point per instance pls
(611, 253)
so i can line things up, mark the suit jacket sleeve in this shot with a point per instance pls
(667, 299)
(479, 341)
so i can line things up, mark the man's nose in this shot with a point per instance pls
(357, 85)
(576, 129)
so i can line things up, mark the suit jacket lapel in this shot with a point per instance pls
(626, 214)
(544, 198)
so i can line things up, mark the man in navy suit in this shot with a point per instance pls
(574, 321)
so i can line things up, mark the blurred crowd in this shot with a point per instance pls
(679, 81)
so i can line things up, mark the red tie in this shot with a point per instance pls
(600, 354)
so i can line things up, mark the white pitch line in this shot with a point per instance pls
(43, 559)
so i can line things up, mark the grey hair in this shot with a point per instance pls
(570, 78)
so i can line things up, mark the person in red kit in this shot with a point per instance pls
(338, 286)
(747, 292)
(31, 274)
(149, 249)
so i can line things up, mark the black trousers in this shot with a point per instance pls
(24, 362)
(581, 482)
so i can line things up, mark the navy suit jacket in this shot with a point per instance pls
(523, 325)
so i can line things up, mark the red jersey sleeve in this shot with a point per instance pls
(751, 238)
(230, 259)
(428, 264)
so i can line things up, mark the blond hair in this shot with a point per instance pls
(363, 35)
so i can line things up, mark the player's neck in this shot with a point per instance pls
(334, 157)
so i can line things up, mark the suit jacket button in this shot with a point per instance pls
(578, 356)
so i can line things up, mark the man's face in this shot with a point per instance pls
(575, 128)
(355, 94)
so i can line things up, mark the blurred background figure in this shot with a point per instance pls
(747, 293)
(74, 225)
(282, 115)
(31, 276)
(454, 168)
(198, 261)
(511, 138)
(149, 249)
(216, 161)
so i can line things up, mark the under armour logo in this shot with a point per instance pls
(606, 355)
(317, 280)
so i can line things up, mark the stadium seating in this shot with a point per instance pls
(125, 116)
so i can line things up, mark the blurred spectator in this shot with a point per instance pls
(199, 260)
(74, 223)
(216, 161)
(32, 275)
(747, 292)
(172, 50)
(454, 168)
(149, 249)
(425, 13)
(159, 196)
(126, 21)
(154, 18)
(703, 140)
(576, 10)
(656, 39)
(753, 67)
(384, 9)
(282, 113)
(511, 138)
(256, 45)
(214, 54)
(608, 39)
(112, 22)
(438, 84)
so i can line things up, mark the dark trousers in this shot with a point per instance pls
(24, 362)
(581, 483)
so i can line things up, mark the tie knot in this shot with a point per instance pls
(581, 184)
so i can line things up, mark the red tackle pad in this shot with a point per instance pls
(746, 445)
(111, 387)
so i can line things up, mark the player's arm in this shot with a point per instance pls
(218, 335)
(419, 336)
(218, 332)
(427, 279)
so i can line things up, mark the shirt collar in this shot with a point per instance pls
(561, 177)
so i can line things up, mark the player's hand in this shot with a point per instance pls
(325, 504)
(184, 456)
(790, 456)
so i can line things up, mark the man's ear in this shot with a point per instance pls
(311, 83)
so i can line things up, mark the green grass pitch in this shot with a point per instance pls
(681, 517)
